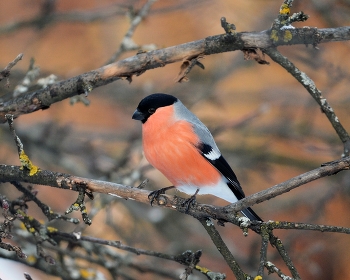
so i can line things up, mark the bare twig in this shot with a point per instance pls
(315, 93)
(6, 228)
(222, 248)
(273, 269)
(44, 19)
(127, 43)
(263, 250)
(79, 205)
(277, 243)
(44, 208)
(323, 171)
(116, 244)
(9, 247)
(306, 226)
(7, 70)
(187, 258)
(32, 73)
(24, 159)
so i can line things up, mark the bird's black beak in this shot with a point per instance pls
(138, 115)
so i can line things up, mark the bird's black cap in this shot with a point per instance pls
(150, 104)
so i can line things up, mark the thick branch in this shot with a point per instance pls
(66, 181)
(136, 65)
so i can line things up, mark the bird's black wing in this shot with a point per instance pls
(223, 167)
(218, 161)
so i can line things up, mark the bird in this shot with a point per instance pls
(181, 147)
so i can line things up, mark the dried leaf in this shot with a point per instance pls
(255, 54)
(186, 67)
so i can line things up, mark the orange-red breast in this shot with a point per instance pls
(180, 146)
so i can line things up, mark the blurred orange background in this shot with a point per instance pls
(268, 127)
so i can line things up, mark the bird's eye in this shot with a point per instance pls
(151, 110)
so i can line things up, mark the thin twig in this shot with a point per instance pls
(277, 243)
(44, 208)
(127, 43)
(186, 258)
(74, 237)
(310, 86)
(323, 171)
(7, 70)
(263, 250)
(222, 248)
(24, 159)
(306, 226)
(274, 269)
(44, 20)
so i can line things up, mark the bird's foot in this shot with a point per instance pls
(190, 201)
(155, 194)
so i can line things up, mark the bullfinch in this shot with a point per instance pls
(181, 147)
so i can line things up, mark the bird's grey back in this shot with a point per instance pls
(182, 113)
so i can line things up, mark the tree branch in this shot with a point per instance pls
(45, 19)
(280, 34)
(7, 70)
(222, 248)
(66, 181)
(136, 65)
(315, 93)
(327, 169)
(127, 43)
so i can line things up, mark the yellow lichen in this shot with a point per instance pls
(31, 230)
(25, 161)
(202, 269)
(274, 35)
(87, 273)
(31, 259)
(259, 277)
(287, 36)
(285, 10)
(51, 229)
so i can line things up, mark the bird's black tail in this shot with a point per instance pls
(251, 215)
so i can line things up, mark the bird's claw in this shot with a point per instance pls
(190, 202)
(155, 194)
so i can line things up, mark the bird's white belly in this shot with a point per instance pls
(220, 190)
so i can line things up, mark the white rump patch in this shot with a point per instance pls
(220, 190)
